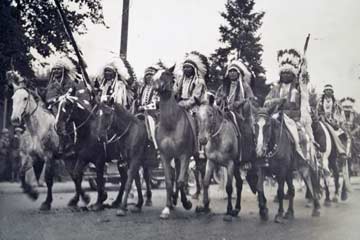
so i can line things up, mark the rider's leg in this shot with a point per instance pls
(151, 125)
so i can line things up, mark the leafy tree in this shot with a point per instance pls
(240, 34)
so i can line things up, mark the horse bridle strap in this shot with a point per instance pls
(220, 128)
(27, 104)
(116, 138)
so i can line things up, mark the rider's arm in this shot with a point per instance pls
(197, 94)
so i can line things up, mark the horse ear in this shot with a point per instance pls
(211, 99)
(172, 68)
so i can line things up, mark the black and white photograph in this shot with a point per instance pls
(179, 119)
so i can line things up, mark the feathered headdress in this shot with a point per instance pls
(118, 65)
(241, 68)
(289, 61)
(199, 62)
(347, 104)
(69, 69)
(154, 68)
(15, 78)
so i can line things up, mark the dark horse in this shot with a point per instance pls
(116, 126)
(75, 123)
(329, 158)
(275, 143)
(175, 139)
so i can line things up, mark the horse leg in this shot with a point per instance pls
(132, 172)
(27, 177)
(239, 186)
(280, 194)
(140, 202)
(123, 177)
(184, 166)
(100, 182)
(175, 175)
(327, 201)
(49, 179)
(169, 187)
(147, 179)
(70, 166)
(308, 177)
(229, 190)
(263, 210)
(291, 193)
(210, 166)
(337, 184)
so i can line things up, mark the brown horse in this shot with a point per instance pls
(274, 143)
(115, 125)
(175, 139)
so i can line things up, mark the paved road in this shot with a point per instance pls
(20, 219)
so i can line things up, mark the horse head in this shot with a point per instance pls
(164, 80)
(104, 119)
(24, 105)
(265, 122)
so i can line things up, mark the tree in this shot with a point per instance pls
(35, 26)
(28, 26)
(240, 33)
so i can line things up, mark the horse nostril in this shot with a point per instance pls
(15, 121)
(203, 141)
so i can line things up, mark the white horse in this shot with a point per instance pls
(40, 139)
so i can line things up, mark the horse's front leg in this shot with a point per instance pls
(263, 210)
(291, 194)
(140, 202)
(210, 166)
(123, 177)
(280, 194)
(147, 178)
(169, 186)
(49, 179)
(180, 184)
(229, 191)
(70, 167)
(132, 172)
(239, 186)
(100, 182)
(327, 201)
(27, 176)
(310, 181)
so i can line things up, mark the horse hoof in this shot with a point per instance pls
(227, 218)
(97, 207)
(165, 213)
(264, 214)
(121, 213)
(309, 204)
(73, 202)
(235, 212)
(316, 213)
(344, 196)
(195, 196)
(289, 215)
(115, 204)
(201, 209)
(279, 218)
(45, 206)
(104, 197)
(86, 198)
(187, 205)
(327, 203)
(148, 203)
(33, 195)
(276, 199)
(335, 200)
(135, 209)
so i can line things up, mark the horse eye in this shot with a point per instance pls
(25, 98)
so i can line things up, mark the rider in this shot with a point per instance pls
(190, 88)
(116, 80)
(293, 93)
(235, 90)
(63, 76)
(149, 100)
(331, 112)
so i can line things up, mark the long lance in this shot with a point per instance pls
(73, 43)
(304, 54)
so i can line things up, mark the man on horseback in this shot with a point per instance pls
(116, 80)
(148, 102)
(293, 94)
(190, 89)
(331, 114)
(234, 91)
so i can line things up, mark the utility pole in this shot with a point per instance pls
(124, 28)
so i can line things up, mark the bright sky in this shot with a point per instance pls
(167, 29)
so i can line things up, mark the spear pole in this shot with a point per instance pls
(75, 46)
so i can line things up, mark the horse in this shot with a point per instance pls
(328, 152)
(175, 139)
(44, 140)
(75, 122)
(127, 134)
(273, 142)
(219, 136)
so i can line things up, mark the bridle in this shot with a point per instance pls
(24, 114)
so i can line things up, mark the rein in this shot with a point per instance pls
(219, 130)
(116, 138)
(23, 115)
(275, 149)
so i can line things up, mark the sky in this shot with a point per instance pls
(167, 29)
